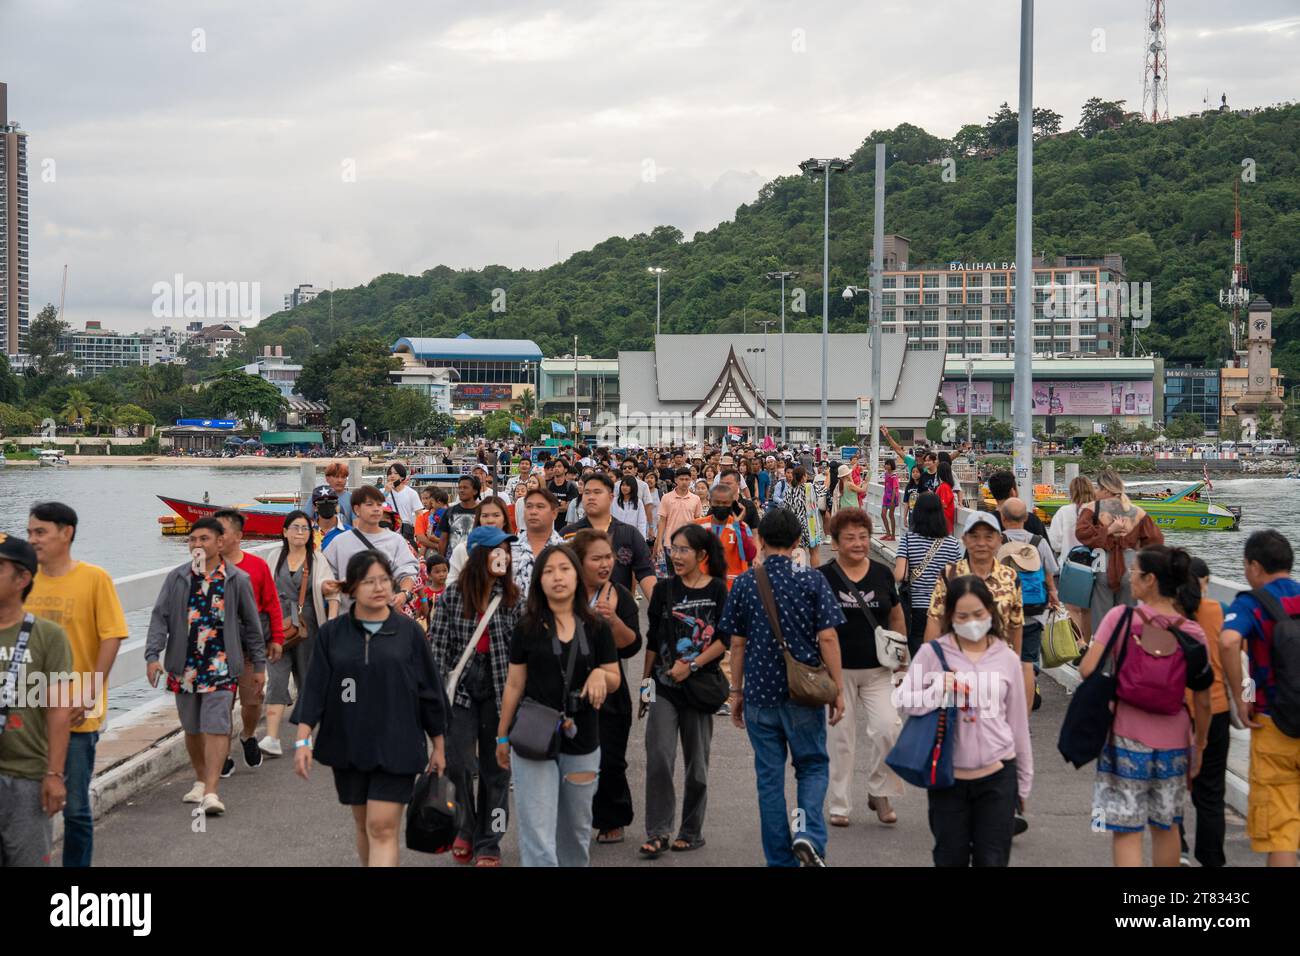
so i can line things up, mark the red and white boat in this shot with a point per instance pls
(260, 521)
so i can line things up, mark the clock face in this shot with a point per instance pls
(1259, 379)
(1260, 325)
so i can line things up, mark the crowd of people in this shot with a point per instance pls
(483, 635)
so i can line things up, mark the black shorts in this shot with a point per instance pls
(355, 787)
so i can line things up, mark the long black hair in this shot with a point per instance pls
(636, 489)
(289, 519)
(1172, 569)
(537, 611)
(927, 516)
(476, 582)
(700, 538)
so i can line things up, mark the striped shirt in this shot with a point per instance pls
(915, 547)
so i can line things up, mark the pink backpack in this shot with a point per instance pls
(1151, 682)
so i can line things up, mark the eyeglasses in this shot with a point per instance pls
(682, 550)
(378, 582)
(298, 528)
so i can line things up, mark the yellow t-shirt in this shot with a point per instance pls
(84, 603)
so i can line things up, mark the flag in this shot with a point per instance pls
(558, 429)
(515, 427)
(1205, 470)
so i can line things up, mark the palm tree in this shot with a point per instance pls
(76, 407)
(526, 402)
(108, 416)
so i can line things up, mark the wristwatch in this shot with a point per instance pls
(694, 667)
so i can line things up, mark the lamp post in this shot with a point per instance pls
(826, 167)
(874, 381)
(658, 272)
(970, 397)
(782, 276)
(765, 323)
(1023, 410)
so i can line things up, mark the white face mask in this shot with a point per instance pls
(974, 630)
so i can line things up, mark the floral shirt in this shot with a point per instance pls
(206, 666)
(1003, 583)
(522, 560)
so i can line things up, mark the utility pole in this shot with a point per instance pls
(782, 276)
(877, 314)
(1023, 410)
(765, 323)
(575, 390)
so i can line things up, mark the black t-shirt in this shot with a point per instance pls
(533, 648)
(857, 637)
(631, 553)
(457, 522)
(619, 703)
(565, 491)
(694, 616)
(929, 482)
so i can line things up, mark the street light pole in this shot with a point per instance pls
(970, 395)
(765, 323)
(658, 272)
(877, 282)
(782, 276)
(826, 167)
(1024, 377)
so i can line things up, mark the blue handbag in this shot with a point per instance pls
(923, 754)
(1076, 581)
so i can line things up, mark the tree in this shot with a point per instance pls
(1291, 425)
(366, 357)
(1093, 447)
(970, 139)
(1229, 429)
(43, 336)
(437, 426)
(847, 436)
(16, 421)
(1003, 127)
(1144, 433)
(1046, 122)
(10, 384)
(1185, 427)
(1265, 422)
(526, 402)
(248, 397)
(1099, 115)
(1115, 432)
(1067, 430)
(407, 410)
(470, 428)
(77, 408)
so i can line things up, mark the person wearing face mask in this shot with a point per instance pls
(993, 761)
(736, 538)
(476, 698)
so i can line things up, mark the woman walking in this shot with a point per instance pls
(802, 501)
(869, 599)
(684, 610)
(1060, 534)
(628, 506)
(374, 738)
(481, 608)
(652, 501)
(1120, 528)
(993, 762)
(925, 550)
(490, 513)
(558, 635)
(298, 578)
(948, 492)
(911, 491)
(616, 607)
(533, 481)
(1144, 767)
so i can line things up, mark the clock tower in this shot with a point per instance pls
(1259, 373)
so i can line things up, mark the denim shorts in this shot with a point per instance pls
(1031, 642)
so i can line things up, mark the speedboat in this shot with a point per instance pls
(1178, 511)
(260, 521)
(52, 458)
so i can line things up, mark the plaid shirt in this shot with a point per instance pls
(450, 630)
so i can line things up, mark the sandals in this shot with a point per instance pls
(683, 846)
(487, 861)
(885, 815)
(652, 849)
(461, 850)
(610, 836)
(839, 821)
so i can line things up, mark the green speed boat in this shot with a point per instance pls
(1181, 511)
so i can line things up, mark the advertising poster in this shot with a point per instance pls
(478, 395)
(976, 398)
(1093, 398)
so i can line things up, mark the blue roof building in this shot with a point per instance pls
(490, 373)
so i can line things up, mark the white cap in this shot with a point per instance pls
(978, 518)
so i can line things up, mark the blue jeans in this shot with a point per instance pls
(803, 731)
(78, 822)
(1031, 643)
(553, 812)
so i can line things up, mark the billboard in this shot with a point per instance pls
(1092, 398)
(471, 394)
(976, 398)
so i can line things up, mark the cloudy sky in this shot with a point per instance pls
(286, 141)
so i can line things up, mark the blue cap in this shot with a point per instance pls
(487, 537)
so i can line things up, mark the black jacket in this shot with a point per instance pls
(372, 699)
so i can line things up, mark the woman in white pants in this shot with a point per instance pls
(869, 597)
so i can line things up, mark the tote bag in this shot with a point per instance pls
(923, 754)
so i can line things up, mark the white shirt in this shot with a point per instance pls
(630, 514)
(1061, 531)
(388, 543)
(406, 501)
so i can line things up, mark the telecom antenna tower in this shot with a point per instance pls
(1155, 82)
(1236, 297)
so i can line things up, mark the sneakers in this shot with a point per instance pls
(212, 806)
(723, 711)
(806, 852)
(228, 767)
(1019, 826)
(252, 753)
(195, 793)
(1038, 698)
(271, 747)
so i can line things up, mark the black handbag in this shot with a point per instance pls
(1089, 717)
(535, 734)
(431, 815)
(707, 689)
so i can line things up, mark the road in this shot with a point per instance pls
(275, 818)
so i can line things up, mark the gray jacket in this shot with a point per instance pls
(169, 628)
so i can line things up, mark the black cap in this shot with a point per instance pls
(18, 551)
(323, 493)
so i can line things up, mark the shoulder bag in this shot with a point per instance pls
(479, 628)
(810, 686)
(891, 647)
(9, 687)
(707, 689)
(911, 577)
(431, 814)
(923, 754)
(1089, 717)
(535, 734)
(295, 634)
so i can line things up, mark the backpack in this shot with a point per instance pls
(1155, 683)
(1033, 584)
(1284, 697)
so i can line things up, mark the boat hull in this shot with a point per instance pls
(262, 522)
(1171, 516)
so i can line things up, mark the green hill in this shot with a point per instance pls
(1161, 195)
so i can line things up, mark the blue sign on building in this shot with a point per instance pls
(208, 422)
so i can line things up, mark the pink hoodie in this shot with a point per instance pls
(993, 718)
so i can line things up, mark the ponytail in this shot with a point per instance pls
(1172, 569)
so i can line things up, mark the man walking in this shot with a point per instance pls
(760, 699)
(205, 627)
(1037, 586)
(267, 600)
(632, 565)
(537, 534)
(33, 739)
(81, 599)
(678, 507)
